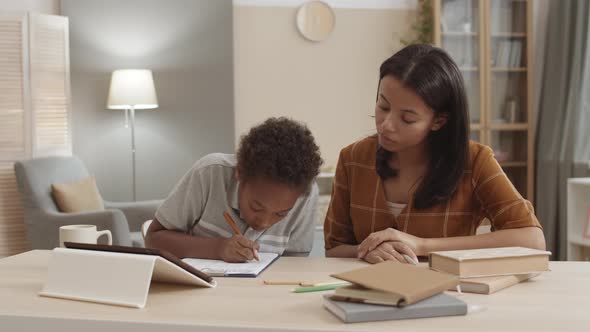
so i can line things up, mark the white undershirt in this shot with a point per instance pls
(396, 208)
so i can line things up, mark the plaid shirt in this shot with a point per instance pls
(358, 206)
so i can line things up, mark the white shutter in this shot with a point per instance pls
(12, 228)
(13, 120)
(14, 129)
(50, 85)
(34, 107)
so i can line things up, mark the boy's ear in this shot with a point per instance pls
(440, 121)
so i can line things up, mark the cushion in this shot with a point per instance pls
(79, 196)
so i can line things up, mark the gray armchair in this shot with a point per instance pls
(43, 219)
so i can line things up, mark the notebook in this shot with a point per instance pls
(218, 268)
(409, 282)
(490, 285)
(490, 262)
(438, 305)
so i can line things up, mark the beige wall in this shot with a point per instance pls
(329, 85)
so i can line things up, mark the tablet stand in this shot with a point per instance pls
(109, 277)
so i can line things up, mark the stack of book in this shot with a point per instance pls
(391, 290)
(486, 271)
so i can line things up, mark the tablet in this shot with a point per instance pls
(142, 251)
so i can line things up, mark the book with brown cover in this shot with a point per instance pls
(490, 285)
(409, 282)
(355, 293)
(490, 262)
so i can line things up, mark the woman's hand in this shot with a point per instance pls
(413, 245)
(390, 251)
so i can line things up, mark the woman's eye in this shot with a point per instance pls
(408, 121)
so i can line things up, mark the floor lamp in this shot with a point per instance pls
(130, 90)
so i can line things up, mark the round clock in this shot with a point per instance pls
(315, 20)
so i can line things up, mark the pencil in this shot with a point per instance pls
(326, 283)
(320, 288)
(233, 226)
(283, 282)
(231, 223)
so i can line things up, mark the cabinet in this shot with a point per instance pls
(34, 107)
(578, 219)
(490, 40)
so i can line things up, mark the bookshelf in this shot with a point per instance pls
(491, 42)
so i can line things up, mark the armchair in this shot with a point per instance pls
(43, 219)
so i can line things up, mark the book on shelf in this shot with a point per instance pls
(490, 261)
(352, 312)
(515, 53)
(490, 285)
(400, 284)
(587, 229)
(508, 54)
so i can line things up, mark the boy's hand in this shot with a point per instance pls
(237, 249)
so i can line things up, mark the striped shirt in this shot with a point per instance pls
(197, 203)
(359, 207)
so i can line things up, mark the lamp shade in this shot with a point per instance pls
(132, 88)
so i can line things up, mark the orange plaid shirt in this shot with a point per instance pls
(358, 206)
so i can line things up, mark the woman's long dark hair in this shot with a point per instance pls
(432, 74)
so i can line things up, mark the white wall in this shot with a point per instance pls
(330, 85)
(37, 6)
(188, 46)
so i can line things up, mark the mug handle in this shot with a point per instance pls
(108, 234)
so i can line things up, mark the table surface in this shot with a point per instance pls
(556, 300)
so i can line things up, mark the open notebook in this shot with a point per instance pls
(217, 268)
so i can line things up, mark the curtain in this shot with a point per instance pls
(563, 121)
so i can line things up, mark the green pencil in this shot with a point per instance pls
(321, 288)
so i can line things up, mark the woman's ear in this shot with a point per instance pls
(439, 121)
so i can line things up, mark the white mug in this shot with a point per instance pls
(82, 233)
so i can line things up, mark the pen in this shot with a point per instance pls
(233, 226)
(320, 288)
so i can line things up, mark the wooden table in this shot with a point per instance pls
(555, 301)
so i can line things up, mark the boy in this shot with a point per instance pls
(268, 189)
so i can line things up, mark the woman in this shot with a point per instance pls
(419, 184)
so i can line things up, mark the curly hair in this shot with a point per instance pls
(280, 149)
